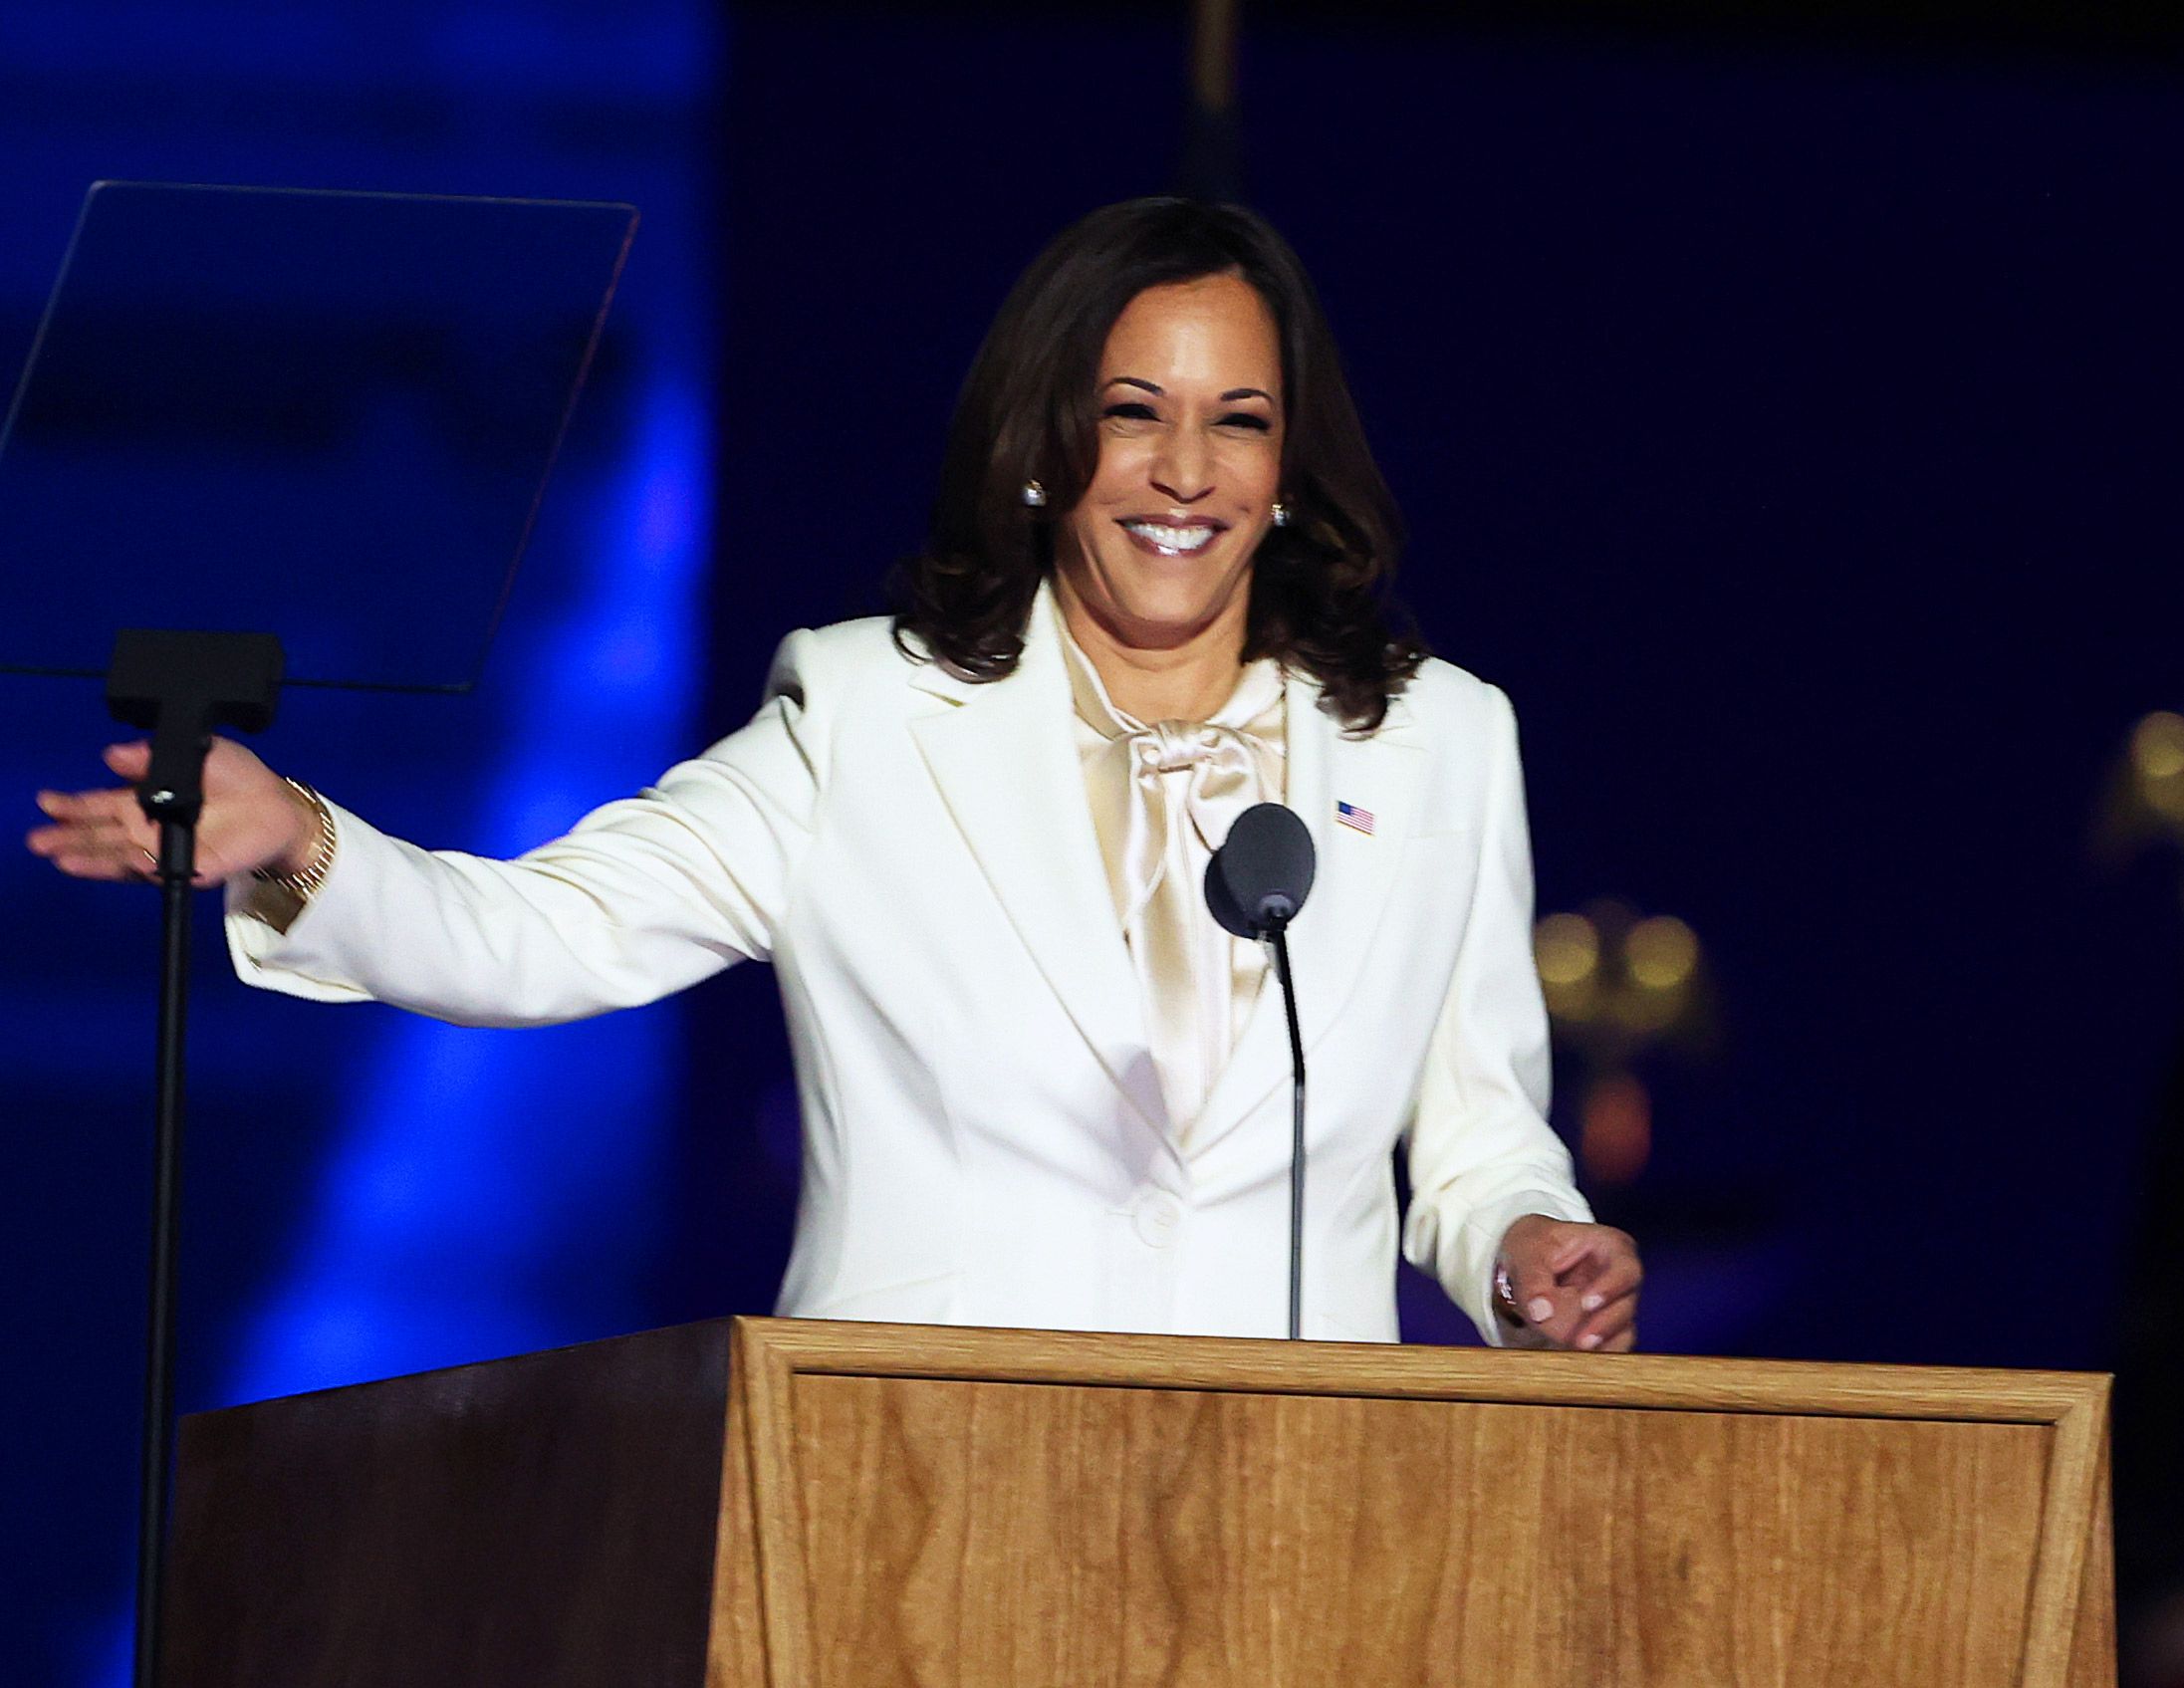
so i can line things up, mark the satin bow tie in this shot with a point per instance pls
(1222, 765)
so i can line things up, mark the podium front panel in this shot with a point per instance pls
(995, 1507)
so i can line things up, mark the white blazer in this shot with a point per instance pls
(983, 1138)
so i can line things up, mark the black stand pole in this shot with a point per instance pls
(1277, 936)
(179, 686)
(177, 865)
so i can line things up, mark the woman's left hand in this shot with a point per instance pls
(1575, 1285)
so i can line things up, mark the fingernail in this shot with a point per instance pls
(1592, 1341)
(1539, 1309)
(1590, 1301)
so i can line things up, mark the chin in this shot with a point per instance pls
(1168, 610)
(1169, 617)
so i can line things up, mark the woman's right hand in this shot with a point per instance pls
(252, 819)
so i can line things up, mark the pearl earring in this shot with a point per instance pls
(1034, 496)
(1280, 513)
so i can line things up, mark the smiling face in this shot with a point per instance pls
(1157, 553)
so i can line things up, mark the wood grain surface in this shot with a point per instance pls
(974, 1507)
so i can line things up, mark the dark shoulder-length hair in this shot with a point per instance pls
(1029, 412)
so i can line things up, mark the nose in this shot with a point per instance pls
(1183, 470)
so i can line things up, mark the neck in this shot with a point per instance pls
(1183, 680)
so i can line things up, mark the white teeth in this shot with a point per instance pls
(1176, 542)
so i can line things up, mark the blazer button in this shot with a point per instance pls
(1156, 1217)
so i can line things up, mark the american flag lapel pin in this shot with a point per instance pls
(1349, 815)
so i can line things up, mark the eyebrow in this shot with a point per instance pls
(1228, 397)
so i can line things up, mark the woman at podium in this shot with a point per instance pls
(1039, 1084)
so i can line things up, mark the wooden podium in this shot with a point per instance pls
(787, 1503)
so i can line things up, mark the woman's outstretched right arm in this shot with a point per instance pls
(641, 898)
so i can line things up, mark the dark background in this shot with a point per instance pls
(1786, 407)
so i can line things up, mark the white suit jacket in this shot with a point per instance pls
(984, 1137)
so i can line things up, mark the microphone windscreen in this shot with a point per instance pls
(1221, 904)
(1266, 866)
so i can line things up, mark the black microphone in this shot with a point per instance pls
(1256, 883)
(1260, 877)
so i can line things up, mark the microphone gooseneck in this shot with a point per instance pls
(1277, 938)
(1256, 884)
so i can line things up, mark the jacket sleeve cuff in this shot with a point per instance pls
(269, 933)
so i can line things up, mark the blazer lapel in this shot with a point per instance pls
(1331, 941)
(1008, 769)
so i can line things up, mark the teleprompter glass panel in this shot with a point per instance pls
(325, 416)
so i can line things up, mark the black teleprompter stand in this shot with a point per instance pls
(365, 394)
(177, 686)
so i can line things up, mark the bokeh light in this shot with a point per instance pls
(1568, 947)
(1662, 952)
(1615, 1131)
(2157, 764)
(2157, 746)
